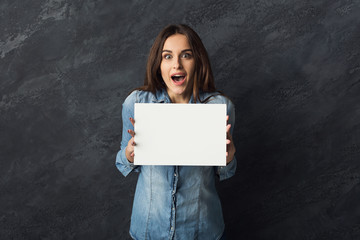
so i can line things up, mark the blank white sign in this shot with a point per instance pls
(180, 134)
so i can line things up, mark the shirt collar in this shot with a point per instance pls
(162, 96)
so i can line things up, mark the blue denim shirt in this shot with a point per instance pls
(174, 202)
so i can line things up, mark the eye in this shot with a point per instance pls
(186, 55)
(167, 56)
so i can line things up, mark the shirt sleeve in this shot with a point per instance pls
(124, 166)
(225, 172)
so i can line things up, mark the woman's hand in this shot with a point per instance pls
(230, 147)
(129, 151)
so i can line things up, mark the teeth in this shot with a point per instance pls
(177, 77)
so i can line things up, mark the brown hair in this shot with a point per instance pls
(203, 76)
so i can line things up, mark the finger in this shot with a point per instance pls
(227, 154)
(132, 154)
(227, 117)
(132, 133)
(133, 143)
(132, 121)
(228, 141)
(228, 127)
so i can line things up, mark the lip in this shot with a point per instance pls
(179, 73)
(179, 83)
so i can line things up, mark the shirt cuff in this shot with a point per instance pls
(124, 166)
(227, 171)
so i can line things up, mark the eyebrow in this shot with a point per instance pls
(185, 50)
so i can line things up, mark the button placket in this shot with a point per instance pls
(173, 204)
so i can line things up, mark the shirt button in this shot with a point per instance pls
(172, 228)
(175, 174)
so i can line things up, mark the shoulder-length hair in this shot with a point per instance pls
(203, 76)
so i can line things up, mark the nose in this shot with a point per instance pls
(177, 63)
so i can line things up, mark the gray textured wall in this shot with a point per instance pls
(291, 67)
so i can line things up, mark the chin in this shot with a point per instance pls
(179, 92)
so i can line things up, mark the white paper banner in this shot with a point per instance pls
(180, 134)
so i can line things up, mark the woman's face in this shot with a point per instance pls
(177, 67)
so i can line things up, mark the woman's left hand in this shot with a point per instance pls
(230, 147)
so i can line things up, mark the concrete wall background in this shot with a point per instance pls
(292, 68)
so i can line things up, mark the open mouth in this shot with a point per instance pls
(178, 78)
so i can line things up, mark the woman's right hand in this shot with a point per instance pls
(129, 151)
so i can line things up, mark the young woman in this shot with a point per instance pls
(176, 202)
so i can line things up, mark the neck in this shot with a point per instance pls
(183, 98)
(179, 99)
